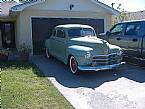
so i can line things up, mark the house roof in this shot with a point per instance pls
(5, 7)
(136, 15)
(21, 7)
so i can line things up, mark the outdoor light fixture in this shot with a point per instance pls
(71, 6)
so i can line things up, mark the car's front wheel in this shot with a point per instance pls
(73, 65)
(47, 53)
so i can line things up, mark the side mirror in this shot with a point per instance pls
(108, 33)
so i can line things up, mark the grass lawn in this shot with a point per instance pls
(23, 87)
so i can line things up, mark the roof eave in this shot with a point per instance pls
(19, 8)
(13, 13)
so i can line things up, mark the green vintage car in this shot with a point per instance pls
(78, 47)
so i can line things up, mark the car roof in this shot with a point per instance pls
(142, 20)
(73, 26)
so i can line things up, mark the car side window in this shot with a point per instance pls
(117, 29)
(54, 33)
(60, 33)
(133, 29)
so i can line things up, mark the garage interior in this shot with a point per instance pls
(42, 28)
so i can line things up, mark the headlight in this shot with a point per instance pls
(88, 55)
(119, 52)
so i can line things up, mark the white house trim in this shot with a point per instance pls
(30, 20)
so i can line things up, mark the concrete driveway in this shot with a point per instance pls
(122, 89)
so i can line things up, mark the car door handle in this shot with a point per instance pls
(118, 38)
(134, 40)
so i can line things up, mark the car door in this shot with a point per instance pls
(133, 34)
(52, 44)
(60, 44)
(116, 35)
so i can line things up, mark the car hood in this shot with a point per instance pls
(87, 39)
(100, 45)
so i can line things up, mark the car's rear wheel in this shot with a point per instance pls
(47, 53)
(73, 65)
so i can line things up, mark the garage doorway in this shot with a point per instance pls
(42, 28)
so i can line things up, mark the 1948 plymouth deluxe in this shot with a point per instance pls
(78, 47)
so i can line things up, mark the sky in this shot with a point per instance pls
(127, 5)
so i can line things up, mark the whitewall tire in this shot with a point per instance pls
(73, 65)
(47, 53)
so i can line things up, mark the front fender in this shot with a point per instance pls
(114, 49)
(79, 53)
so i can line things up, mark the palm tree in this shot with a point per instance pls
(119, 6)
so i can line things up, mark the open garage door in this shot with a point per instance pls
(42, 28)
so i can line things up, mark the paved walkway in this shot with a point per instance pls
(124, 89)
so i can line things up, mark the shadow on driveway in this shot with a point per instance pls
(55, 69)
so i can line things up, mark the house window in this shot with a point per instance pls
(7, 35)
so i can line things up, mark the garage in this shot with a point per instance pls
(42, 28)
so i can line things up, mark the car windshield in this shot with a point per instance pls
(79, 32)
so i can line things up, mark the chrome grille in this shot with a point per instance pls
(114, 59)
(106, 59)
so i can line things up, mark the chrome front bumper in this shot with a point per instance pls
(97, 68)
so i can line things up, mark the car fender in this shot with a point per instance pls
(78, 51)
